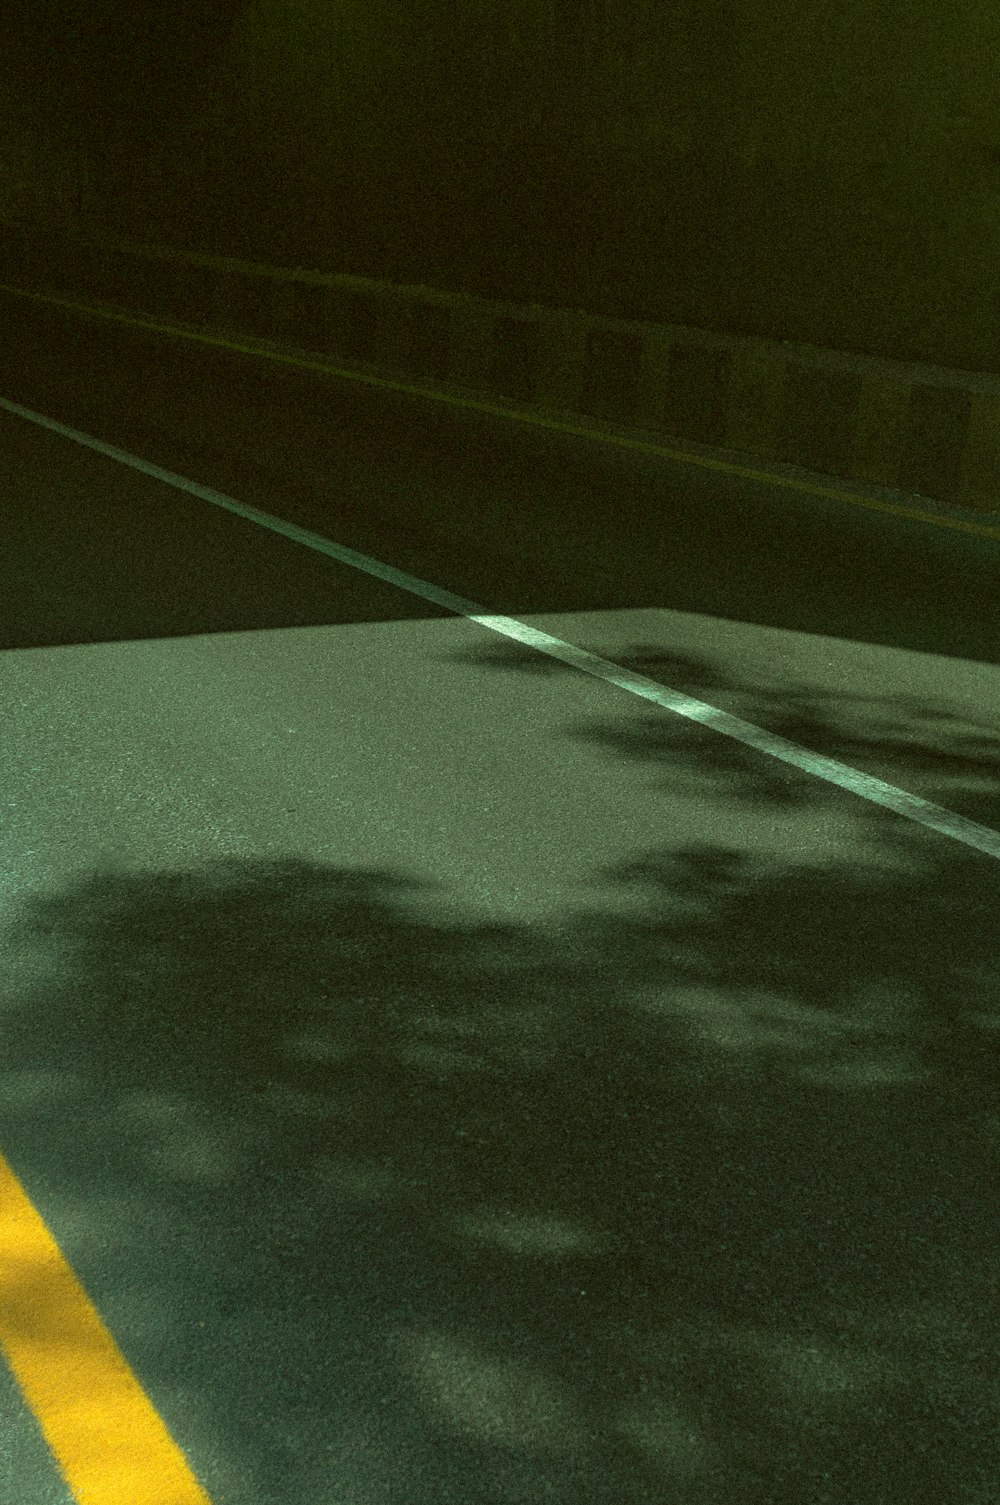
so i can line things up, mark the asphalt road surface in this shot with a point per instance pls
(453, 1077)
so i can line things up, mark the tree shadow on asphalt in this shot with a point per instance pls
(910, 733)
(691, 1202)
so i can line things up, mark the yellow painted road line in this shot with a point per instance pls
(516, 414)
(108, 1440)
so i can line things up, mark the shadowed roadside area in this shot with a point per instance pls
(688, 1201)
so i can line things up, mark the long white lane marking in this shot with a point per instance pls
(946, 822)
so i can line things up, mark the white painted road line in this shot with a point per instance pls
(935, 817)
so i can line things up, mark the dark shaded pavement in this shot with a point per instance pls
(453, 1080)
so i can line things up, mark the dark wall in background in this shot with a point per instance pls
(793, 169)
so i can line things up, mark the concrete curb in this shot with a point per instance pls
(920, 430)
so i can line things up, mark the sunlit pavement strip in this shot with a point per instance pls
(109, 1442)
(946, 822)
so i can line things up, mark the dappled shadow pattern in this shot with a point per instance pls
(691, 1202)
(909, 734)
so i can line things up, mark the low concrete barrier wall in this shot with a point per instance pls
(924, 430)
